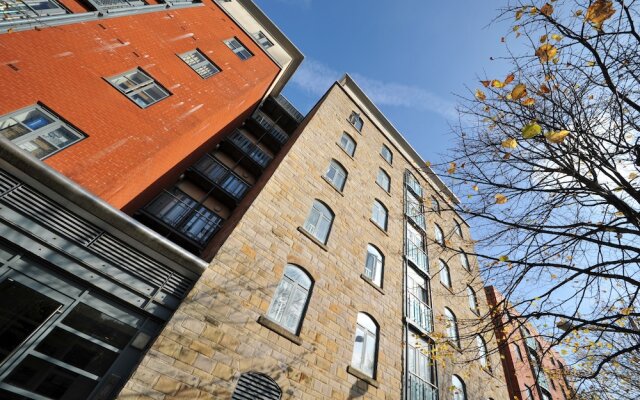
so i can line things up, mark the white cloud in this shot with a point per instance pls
(316, 78)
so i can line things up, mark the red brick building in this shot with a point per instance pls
(533, 370)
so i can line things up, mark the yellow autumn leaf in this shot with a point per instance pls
(600, 11)
(519, 14)
(578, 13)
(427, 163)
(591, 63)
(506, 156)
(528, 102)
(632, 176)
(510, 143)
(546, 9)
(485, 83)
(619, 214)
(546, 52)
(543, 38)
(509, 79)
(497, 84)
(516, 28)
(503, 258)
(480, 95)
(519, 91)
(475, 188)
(626, 310)
(501, 199)
(531, 130)
(452, 168)
(556, 136)
(533, 10)
(556, 37)
(544, 89)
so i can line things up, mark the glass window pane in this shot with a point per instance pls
(295, 309)
(358, 348)
(369, 355)
(99, 326)
(280, 300)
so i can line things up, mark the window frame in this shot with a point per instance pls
(387, 176)
(382, 207)
(438, 234)
(435, 205)
(464, 261)
(462, 387)
(451, 326)
(356, 121)
(473, 300)
(350, 140)
(205, 63)
(378, 265)
(313, 231)
(483, 353)
(25, 10)
(55, 123)
(238, 49)
(260, 37)
(445, 274)
(457, 228)
(518, 352)
(340, 170)
(390, 159)
(368, 334)
(286, 309)
(138, 88)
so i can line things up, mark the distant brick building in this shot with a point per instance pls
(532, 369)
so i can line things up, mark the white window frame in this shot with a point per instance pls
(374, 265)
(439, 235)
(348, 144)
(238, 48)
(365, 361)
(319, 221)
(445, 274)
(138, 88)
(458, 388)
(356, 120)
(30, 140)
(473, 300)
(380, 215)
(263, 40)
(451, 326)
(464, 260)
(290, 299)
(483, 355)
(336, 175)
(388, 155)
(204, 67)
(383, 180)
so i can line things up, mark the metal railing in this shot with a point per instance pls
(419, 389)
(111, 4)
(417, 256)
(289, 108)
(415, 213)
(413, 183)
(419, 312)
(220, 175)
(249, 148)
(270, 127)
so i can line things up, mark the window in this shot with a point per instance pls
(238, 48)
(199, 63)
(414, 210)
(336, 175)
(458, 228)
(383, 180)
(439, 235)
(38, 131)
(263, 40)
(516, 349)
(414, 250)
(418, 309)
(528, 393)
(459, 390)
(356, 121)
(139, 87)
(256, 386)
(451, 324)
(435, 205)
(348, 144)
(445, 276)
(386, 154)
(374, 265)
(365, 345)
(422, 369)
(473, 300)
(464, 260)
(482, 352)
(318, 223)
(290, 299)
(23, 9)
(379, 215)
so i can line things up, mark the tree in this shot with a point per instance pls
(547, 159)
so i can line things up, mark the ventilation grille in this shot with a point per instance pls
(54, 216)
(254, 386)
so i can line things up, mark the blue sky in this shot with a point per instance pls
(410, 56)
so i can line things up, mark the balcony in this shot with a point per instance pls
(413, 184)
(419, 389)
(248, 154)
(182, 219)
(289, 108)
(419, 313)
(214, 176)
(415, 212)
(417, 256)
(270, 133)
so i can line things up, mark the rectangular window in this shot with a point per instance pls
(38, 131)
(238, 48)
(24, 9)
(263, 40)
(199, 63)
(139, 87)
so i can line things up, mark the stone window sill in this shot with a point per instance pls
(333, 187)
(312, 238)
(362, 376)
(267, 323)
(345, 152)
(372, 283)
(378, 226)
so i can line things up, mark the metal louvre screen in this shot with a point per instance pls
(255, 386)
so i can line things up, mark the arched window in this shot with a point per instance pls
(435, 205)
(386, 154)
(348, 144)
(445, 275)
(482, 352)
(458, 228)
(439, 234)
(256, 386)
(422, 369)
(473, 300)
(383, 180)
(336, 175)
(356, 121)
(379, 214)
(464, 260)
(459, 390)
(290, 298)
(374, 265)
(319, 221)
(451, 324)
(365, 345)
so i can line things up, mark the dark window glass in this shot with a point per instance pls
(99, 325)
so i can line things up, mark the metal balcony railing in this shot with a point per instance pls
(414, 185)
(419, 312)
(271, 128)
(289, 108)
(415, 213)
(419, 389)
(417, 256)
(221, 176)
(249, 148)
